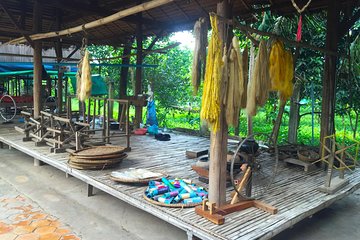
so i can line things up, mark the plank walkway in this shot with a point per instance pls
(294, 192)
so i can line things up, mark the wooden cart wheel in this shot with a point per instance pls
(7, 108)
(263, 167)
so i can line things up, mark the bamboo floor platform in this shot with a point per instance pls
(294, 191)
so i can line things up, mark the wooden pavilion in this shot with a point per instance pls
(58, 23)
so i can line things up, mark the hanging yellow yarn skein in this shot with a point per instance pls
(210, 110)
(281, 68)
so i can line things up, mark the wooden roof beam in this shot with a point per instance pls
(97, 23)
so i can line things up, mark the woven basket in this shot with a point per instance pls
(176, 205)
(308, 155)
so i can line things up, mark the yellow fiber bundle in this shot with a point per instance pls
(276, 65)
(235, 88)
(281, 69)
(210, 110)
(287, 90)
(200, 34)
(85, 82)
(251, 88)
(261, 74)
(245, 64)
(78, 77)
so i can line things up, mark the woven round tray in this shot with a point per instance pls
(137, 180)
(104, 157)
(99, 151)
(95, 162)
(91, 166)
(176, 205)
(308, 155)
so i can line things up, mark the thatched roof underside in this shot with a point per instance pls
(16, 17)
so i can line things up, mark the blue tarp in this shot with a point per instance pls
(98, 87)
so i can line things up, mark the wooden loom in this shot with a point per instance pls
(217, 214)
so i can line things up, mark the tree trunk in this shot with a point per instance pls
(329, 81)
(294, 117)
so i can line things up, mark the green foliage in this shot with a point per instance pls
(170, 81)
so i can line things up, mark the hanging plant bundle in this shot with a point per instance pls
(199, 57)
(84, 91)
(210, 110)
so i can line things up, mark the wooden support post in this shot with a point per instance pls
(66, 88)
(59, 55)
(331, 164)
(139, 60)
(37, 60)
(329, 80)
(124, 74)
(276, 128)
(111, 96)
(294, 118)
(124, 71)
(90, 190)
(218, 140)
(38, 163)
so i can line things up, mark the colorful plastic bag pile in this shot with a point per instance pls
(177, 191)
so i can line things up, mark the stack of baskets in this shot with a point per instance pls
(100, 157)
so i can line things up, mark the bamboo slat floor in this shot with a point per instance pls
(294, 191)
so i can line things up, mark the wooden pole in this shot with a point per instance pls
(124, 71)
(37, 60)
(294, 117)
(123, 75)
(116, 16)
(59, 56)
(218, 140)
(329, 81)
(139, 60)
(111, 96)
(245, 29)
(60, 78)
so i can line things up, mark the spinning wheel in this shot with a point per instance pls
(7, 108)
(50, 103)
(258, 167)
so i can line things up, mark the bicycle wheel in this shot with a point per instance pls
(262, 164)
(7, 108)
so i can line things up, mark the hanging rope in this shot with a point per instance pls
(300, 11)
